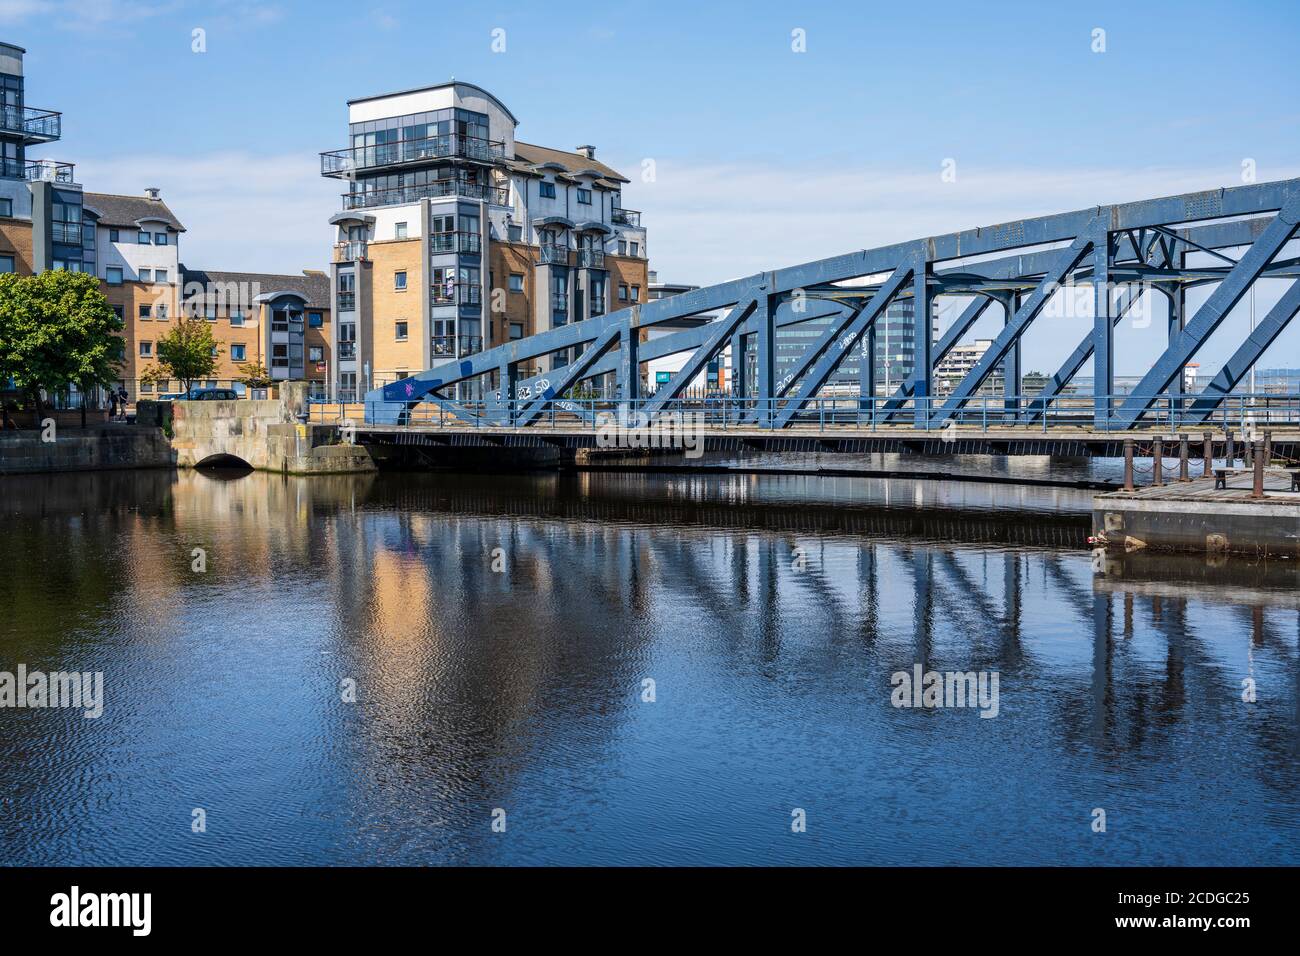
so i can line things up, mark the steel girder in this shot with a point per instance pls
(1131, 242)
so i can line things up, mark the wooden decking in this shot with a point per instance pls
(1277, 490)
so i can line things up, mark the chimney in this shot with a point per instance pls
(588, 151)
(153, 192)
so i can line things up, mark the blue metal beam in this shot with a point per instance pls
(1210, 315)
(1067, 259)
(719, 332)
(1236, 368)
(950, 338)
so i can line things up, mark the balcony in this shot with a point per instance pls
(626, 217)
(553, 254)
(402, 195)
(33, 125)
(347, 301)
(560, 302)
(452, 346)
(347, 351)
(350, 250)
(344, 163)
(468, 242)
(49, 171)
(591, 259)
(67, 233)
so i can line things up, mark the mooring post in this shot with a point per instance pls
(1207, 456)
(1230, 452)
(1268, 447)
(1184, 454)
(1128, 464)
(1157, 461)
(1258, 490)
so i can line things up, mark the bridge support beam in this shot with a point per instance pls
(923, 324)
(1103, 333)
(765, 316)
(1011, 364)
(629, 364)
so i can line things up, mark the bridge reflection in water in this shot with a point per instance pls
(769, 612)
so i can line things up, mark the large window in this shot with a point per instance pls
(546, 190)
(113, 275)
(584, 196)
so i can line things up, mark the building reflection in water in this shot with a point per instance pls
(499, 629)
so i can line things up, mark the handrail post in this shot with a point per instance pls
(1128, 464)
(1184, 453)
(1208, 455)
(1157, 461)
(1257, 489)
(1230, 450)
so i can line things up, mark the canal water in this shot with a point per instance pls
(603, 669)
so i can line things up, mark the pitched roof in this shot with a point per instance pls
(315, 287)
(572, 162)
(128, 210)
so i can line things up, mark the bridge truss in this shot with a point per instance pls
(1121, 251)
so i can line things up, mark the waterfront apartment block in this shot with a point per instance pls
(40, 201)
(455, 237)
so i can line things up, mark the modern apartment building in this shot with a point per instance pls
(40, 202)
(455, 237)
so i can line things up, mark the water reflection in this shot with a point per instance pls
(499, 630)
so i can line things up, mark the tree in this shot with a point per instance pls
(188, 352)
(254, 375)
(57, 330)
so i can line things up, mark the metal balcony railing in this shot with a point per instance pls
(468, 242)
(352, 249)
(68, 233)
(552, 253)
(591, 259)
(33, 125)
(47, 170)
(626, 217)
(344, 163)
(470, 295)
(347, 301)
(497, 195)
(347, 351)
(560, 302)
(451, 346)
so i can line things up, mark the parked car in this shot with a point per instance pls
(203, 395)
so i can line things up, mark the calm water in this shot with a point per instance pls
(769, 612)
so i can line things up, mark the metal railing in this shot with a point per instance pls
(626, 217)
(68, 233)
(50, 171)
(553, 254)
(997, 415)
(35, 124)
(352, 249)
(497, 195)
(591, 259)
(559, 302)
(347, 351)
(342, 163)
(469, 242)
(347, 301)
(456, 345)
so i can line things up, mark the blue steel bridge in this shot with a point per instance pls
(1236, 236)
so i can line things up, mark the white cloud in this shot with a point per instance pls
(241, 211)
(710, 223)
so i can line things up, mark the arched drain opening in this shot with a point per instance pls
(219, 466)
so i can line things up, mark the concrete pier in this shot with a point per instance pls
(1196, 516)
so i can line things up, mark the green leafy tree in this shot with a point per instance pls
(254, 375)
(188, 352)
(57, 330)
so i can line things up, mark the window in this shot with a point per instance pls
(114, 235)
(113, 275)
(636, 293)
(6, 263)
(399, 230)
(236, 318)
(237, 352)
(164, 385)
(160, 275)
(314, 320)
(635, 249)
(146, 349)
(622, 292)
(546, 190)
(145, 312)
(6, 208)
(280, 356)
(161, 314)
(584, 196)
(214, 353)
(117, 310)
(160, 238)
(142, 238)
(146, 275)
(146, 388)
(515, 233)
(399, 281)
(316, 353)
(400, 329)
(516, 282)
(622, 247)
(516, 330)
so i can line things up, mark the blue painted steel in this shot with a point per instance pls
(1142, 242)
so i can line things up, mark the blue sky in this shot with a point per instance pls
(762, 156)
